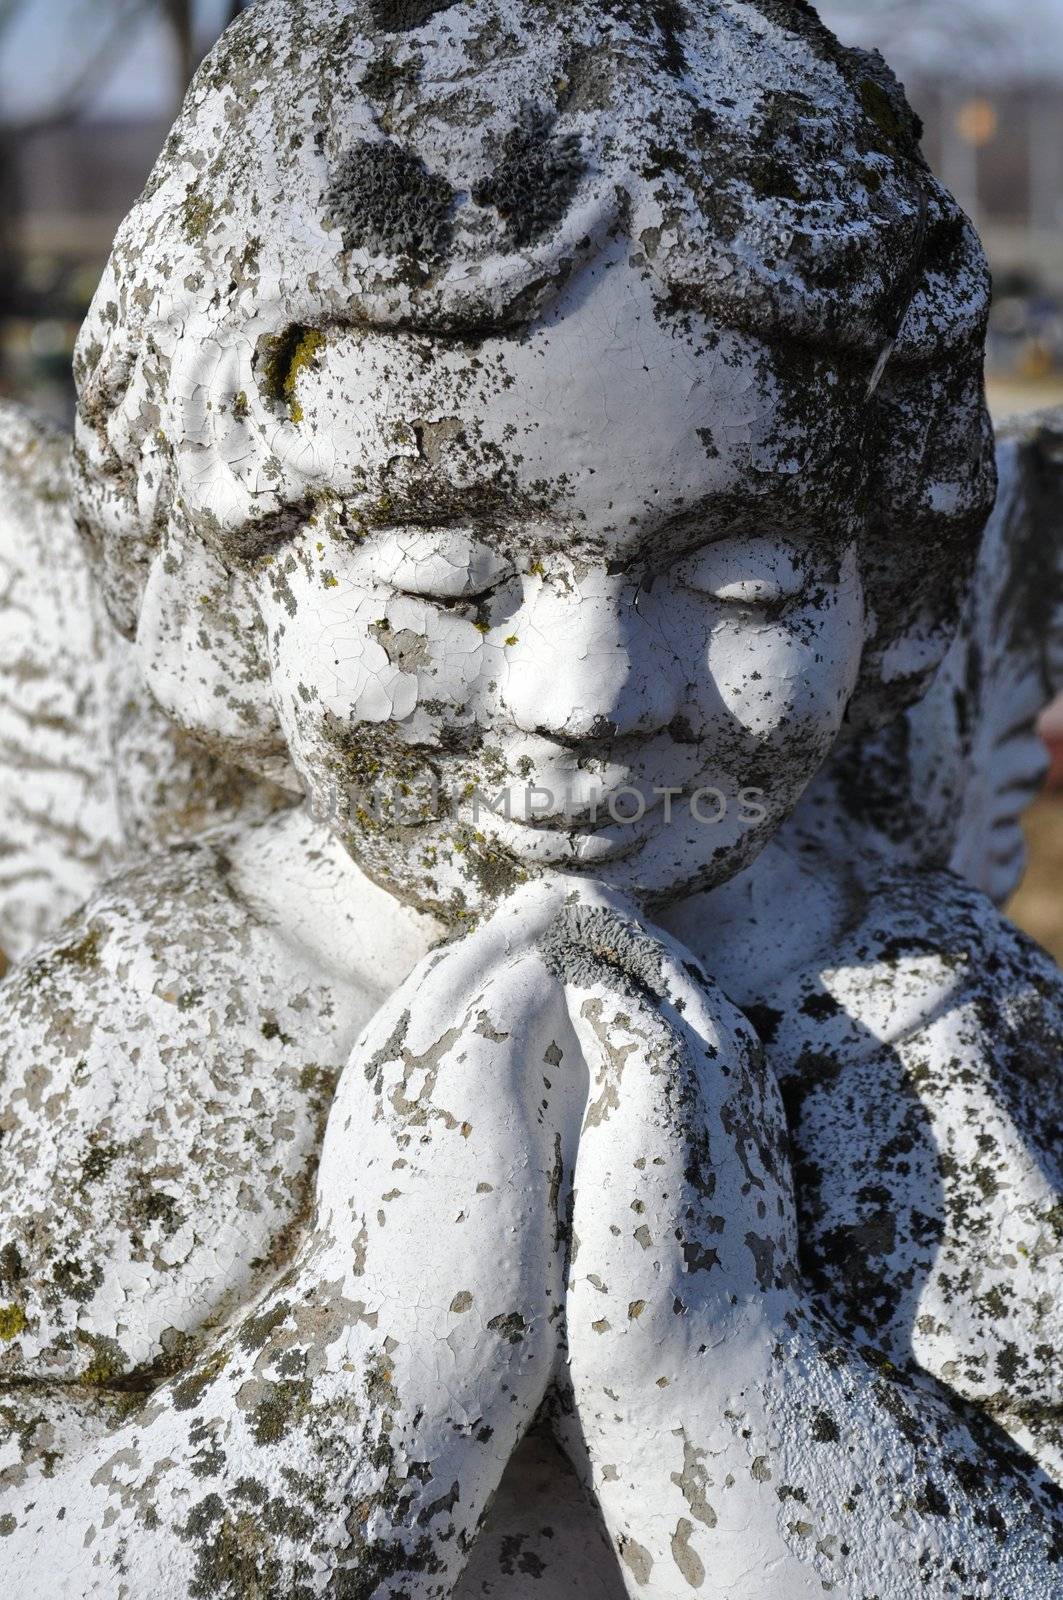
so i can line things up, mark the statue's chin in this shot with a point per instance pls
(459, 874)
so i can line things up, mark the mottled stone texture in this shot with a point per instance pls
(407, 1198)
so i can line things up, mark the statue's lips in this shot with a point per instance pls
(559, 840)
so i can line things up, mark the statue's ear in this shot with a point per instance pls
(201, 647)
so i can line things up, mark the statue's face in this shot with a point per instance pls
(577, 569)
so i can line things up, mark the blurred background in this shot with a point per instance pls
(88, 89)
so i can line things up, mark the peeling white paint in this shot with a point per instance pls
(403, 1206)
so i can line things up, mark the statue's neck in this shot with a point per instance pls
(771, 919)
(298, 878)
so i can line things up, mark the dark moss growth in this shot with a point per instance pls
(532, 186)
(98, 1161)
(384, 200)
(11, 1265)
(772, 179)
(670, 19)
(83, 952)
(274, 1415)
(383, 76)
(257, 1329)
(820, 1006)
(511, 1326)
(234, 1555)
(399, 16)
(492, 870)
(884, 105)
(263, 536)
(766, 1020)
(155, 1205)
(587, 83)
(188, 1391)
(363, 1577)
(71, 1278)
(824, 1428)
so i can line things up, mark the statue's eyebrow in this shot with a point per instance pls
(486, 511)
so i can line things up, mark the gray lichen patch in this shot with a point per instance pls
(535, 179)
(384, 200)
(584, 940)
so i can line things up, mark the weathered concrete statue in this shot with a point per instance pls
(575, 407)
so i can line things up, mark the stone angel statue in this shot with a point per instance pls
(515, 707)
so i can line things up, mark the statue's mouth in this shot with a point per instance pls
(560, 839)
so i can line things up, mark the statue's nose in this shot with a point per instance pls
(586, 666)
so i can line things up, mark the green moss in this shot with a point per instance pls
(108, 1362)
(197, 213)
(288, 354)
(84, 952)
(878, 106)
(494, 872)
(12, 1322)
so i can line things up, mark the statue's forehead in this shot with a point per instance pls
(620, 432)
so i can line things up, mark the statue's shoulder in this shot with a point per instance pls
(34, 467)
(922, 1069)
(167, 1068)
(923, 944)
(39, 543)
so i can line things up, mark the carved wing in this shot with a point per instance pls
(91, 770)
(58, 821)
(975, 750)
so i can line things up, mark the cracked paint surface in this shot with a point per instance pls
(406, 1200)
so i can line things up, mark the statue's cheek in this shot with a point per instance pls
(793, 675)
(203, 651)
(367, 688)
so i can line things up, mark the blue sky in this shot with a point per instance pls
(48, 40)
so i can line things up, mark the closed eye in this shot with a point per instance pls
(745, 573)
(750, 592)
(448, 567)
